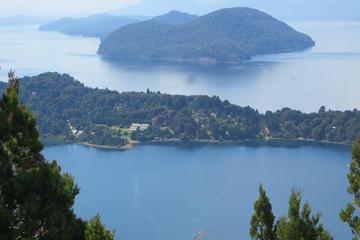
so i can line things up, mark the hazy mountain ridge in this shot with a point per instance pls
(20, 20)
(98, 25)
(226, 35)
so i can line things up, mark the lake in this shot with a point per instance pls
(167, 192)
(324, 75)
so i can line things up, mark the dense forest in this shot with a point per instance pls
(67, 111)
(226, 35)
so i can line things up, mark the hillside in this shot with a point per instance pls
(93, 26)
(174, 18)
(227, 35)
(67, 111)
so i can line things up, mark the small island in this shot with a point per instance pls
(228, 35)
(69, 112)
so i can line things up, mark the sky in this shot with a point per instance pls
(41, 8)
(285, 9)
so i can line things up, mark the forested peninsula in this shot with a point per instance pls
(225, 35)
(69, 112)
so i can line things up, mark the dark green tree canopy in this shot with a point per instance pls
(262, 222)
(300, 224)
(36, 198)
(103, 115)
(350, 214)
(95, 230)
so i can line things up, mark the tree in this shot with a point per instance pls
(95, 230)
(262, 222)
(350, 215)
(300, 224)
(36, 198)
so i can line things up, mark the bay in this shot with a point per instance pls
(169, 192)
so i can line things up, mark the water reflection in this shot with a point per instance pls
(273, 143)
(214, 74)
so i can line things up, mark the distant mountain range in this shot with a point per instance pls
(20, 20)
(98, 25)
(226, 35)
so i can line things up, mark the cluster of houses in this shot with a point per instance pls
(138, 126)
(134, 127)
(75, 131)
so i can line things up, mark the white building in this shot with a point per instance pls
(139, 126)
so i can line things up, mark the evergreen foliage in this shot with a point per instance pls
(95, 230)
(350, 214)
(36, 198)
(262, 222)
(300, 224)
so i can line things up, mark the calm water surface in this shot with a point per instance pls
(164, 192)
(324, 75)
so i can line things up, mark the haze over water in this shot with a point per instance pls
(324, 75)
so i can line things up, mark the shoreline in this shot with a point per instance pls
(281, 141)
(204, 61)
(239, 142)
(130, 145)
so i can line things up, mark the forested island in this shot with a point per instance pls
(226, 35)
(69, 112)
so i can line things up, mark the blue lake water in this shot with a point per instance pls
(166, 192)
(324, 75)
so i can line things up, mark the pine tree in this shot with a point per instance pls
(262, 222)
(36, 199)
(350, 215)
(300, 224)
(19, 154)
(95, 230)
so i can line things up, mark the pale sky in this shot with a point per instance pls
(284, 9)
(60, 7)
